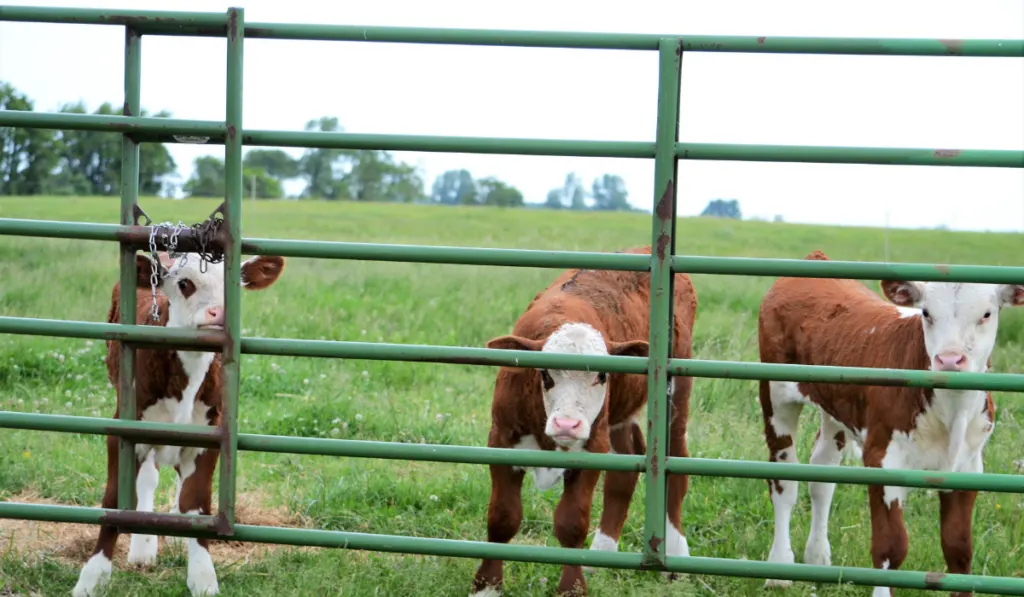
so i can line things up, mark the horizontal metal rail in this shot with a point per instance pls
(893, 156)
(447, 144)
(467, 355)
(189, 525)
(165, 130)
(541, 554)
(170, 130)
(738, 266)
(195, 435)
(143, 21)
(141, 335)
(166, 434)
(214, 25)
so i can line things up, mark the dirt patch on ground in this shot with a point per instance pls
(73, 543)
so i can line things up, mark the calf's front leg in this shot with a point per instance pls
(97, 570)
(888, 532)
(572, 521)
(142, 549)
(195, 498)
(504, 515)
(955, 511)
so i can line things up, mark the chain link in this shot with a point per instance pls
(204, 235)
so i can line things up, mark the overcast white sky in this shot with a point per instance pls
(591, 94)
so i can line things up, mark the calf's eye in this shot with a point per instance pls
(986, 315)
(546, 378)
(186, 287)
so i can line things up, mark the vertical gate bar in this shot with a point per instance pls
(129, 199)
(232, 268)
(662, 249)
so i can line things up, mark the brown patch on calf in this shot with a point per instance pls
(617, 305)
(261, 271)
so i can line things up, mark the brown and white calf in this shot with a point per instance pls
(172, 386)
(935, 326)
(593, 313)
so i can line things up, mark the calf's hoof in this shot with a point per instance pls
(142, 550)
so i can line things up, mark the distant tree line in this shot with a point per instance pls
(47, 162)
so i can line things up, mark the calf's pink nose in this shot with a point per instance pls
(215, 316)
(565, 425)
(950, 361)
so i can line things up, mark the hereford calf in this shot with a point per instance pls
(593, 313)
(172, 386)
(935, 326)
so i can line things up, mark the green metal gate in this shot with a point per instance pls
(665, 150)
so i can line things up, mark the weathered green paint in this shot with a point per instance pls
(144, 431)
(464, 355)
(168, 128)
(992, 158)
(232, 268)
(666, 150)
(660, 307)
(129, 200)
(736, 266)
(194, 527)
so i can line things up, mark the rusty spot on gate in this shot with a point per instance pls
(231, 132)
(953, 46)
(947, 153)
(760, 41)
(126, 110)
(664, 207)
(942, 269)
(168, 521)
(933, 580)
(934, 479)
(654, 542)
(233, 25)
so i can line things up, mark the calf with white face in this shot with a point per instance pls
(959, 320)
(927, 326)
(172, 386)
(572, 399)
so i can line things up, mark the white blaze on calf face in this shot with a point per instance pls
(959, 320)
(573, 399)
(196, 297)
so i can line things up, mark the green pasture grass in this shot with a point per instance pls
(447, 404)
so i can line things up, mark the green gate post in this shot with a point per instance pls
(662, 250)
(129, 201)
(232, 271)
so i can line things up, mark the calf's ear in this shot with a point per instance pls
(1011, 295)
(902, 293)
(632, 348)
(145, 267)
(262, 271)
(515, 343)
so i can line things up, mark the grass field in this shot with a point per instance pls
(447, 404)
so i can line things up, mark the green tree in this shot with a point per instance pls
(609, 193)
(496, 192)
(572, 194)
(554, 199)
(90, 161)
(275, 162)
(319, 168)
(722, 208)
(265, 185)
(455, 187)
(28, 157)
(207, 178)
(376, 176)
